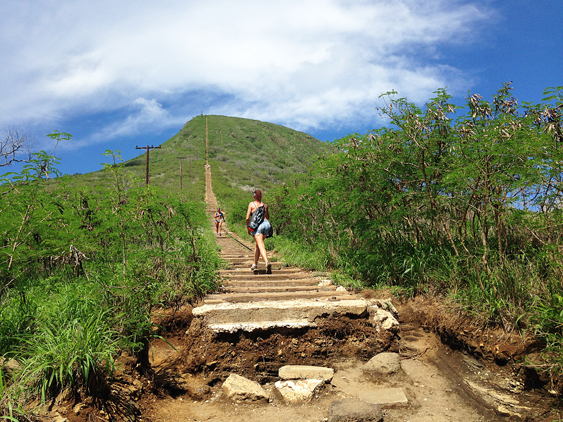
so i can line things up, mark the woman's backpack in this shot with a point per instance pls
(257, 217)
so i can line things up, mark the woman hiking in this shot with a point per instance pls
(219, 219)
(257, 210)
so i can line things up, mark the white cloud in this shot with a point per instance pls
(148, 113)
(305, 63)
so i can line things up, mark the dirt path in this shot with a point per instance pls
(440, 384)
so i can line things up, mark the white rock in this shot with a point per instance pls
(383, 320)
(384, 363)
(291, 372)
(385, 397)
(241, 389)
(299, 391)
(385, 304)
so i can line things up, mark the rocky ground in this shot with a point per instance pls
(439, 383)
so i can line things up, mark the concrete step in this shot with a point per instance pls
(257, 297)
(250, 316)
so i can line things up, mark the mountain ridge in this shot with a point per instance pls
(243, 153)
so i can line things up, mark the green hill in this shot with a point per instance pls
(243, 154)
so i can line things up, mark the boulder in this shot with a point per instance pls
(292, 372)
(346, 410)
(383, 320)
(384, 363)
(241, 389)
(298, 391)
(385, 304)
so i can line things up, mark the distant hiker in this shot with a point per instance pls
(258, 226)
(219, 219)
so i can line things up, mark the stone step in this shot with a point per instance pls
(258, 297)
(250, 316)
(262, 325)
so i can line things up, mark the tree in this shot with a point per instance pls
(13, 145)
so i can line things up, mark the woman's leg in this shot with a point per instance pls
(220, 225)
(260, 248)
(216, 227)
(256, 254)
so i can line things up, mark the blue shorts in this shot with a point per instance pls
(263, 228)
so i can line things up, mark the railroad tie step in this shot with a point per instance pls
(271, 277)
(269, 283)
(277, 289)
(278, 270)
(277, 296)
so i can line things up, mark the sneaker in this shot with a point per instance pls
(254, 267)
(268, 268)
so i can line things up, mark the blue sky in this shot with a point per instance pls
(116, 74)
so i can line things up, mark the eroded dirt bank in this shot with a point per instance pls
(480, 378)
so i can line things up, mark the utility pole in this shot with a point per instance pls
(181, 158)
(147, 148)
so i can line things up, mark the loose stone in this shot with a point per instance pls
(354, 410)
(384, 363)
(291, 372)
(240, 389)
(298, 391)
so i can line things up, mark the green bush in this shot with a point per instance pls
(467, 205)
(70, 251)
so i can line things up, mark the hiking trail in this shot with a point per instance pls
(258, 323)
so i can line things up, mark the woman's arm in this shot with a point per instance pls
(248, 212)
(266, 212)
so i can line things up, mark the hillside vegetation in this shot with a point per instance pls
(464, 203)
(246, 153)
(84, 260)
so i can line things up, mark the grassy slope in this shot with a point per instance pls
(254, 154)
(244, 154)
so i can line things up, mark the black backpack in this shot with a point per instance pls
(257, 217)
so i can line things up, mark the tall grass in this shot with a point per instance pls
(81, 271)
(78, 353)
